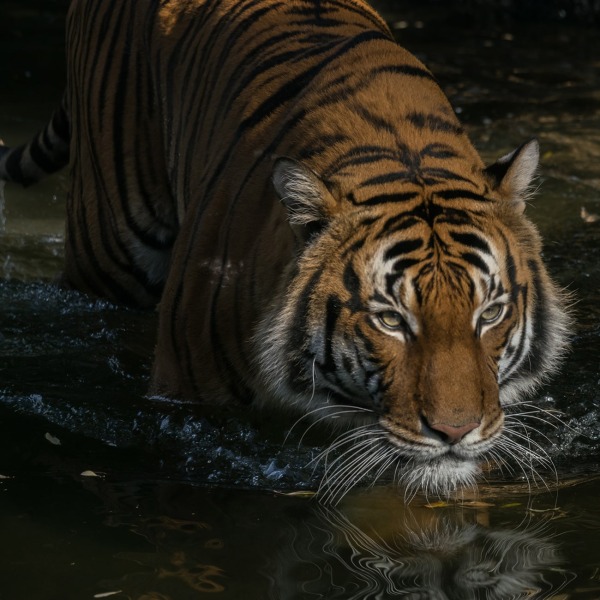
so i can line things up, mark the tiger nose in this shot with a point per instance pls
(452, 434)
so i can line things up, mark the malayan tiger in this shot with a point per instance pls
(296, 192)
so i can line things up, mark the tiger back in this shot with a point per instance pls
(298, 192)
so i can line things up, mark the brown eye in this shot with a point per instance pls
(491, 313)
(391, 319)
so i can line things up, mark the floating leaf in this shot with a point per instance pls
(53, 440)
(299, 494)
(438, 504)
(89, 473)
(477, 504)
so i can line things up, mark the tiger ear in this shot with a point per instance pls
(513, 174)
(308, 201)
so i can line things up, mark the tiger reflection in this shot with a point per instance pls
(371, 548)
(335, 559)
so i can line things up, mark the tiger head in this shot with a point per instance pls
(415, 315)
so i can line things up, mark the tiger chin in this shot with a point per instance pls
(295, 192)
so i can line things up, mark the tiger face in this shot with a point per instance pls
(414, 321)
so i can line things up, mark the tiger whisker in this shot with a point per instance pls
(356, 465)
(347, 438)
(334, 415)
(526, 452)
(349, 408)
(335, 478)
(354, 449)
(391, 456)
(500, 462)
(520, 453)
(531, 442)
(356, 440)
(518, 460)
(551, 413)
(530, 415)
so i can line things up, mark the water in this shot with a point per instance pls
(178, 503)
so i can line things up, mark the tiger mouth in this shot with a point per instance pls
(435, 467)
(424, 448)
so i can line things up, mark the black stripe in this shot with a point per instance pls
(403, 247)
(333, 310)
(540, 316)
(361, 11)
(409, 70)
(471, 240)
(432, 175)
(455, 216)
(403, 264)
(299, 326)
(352, 285)
(41, 158)
(437, 150)
(323, 143)
(373, 119)
(378, 297)
(398, 223)
(518, 359)
(391, 177)
(434, 123)
(390, 281)
(360, 155)
(366, 341)
(368, 221)
(476, 261)
(353, 248)
(461, 195)
(384, 199)
(511, 269)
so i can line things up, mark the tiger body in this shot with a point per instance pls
(296, 190)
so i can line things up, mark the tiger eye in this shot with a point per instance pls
(491, 313)
(391, 319)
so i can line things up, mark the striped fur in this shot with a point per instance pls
(323, 233)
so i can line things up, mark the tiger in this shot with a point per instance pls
(294, 193)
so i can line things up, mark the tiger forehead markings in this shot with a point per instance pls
(296, 192)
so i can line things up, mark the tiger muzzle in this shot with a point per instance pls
(458, 394)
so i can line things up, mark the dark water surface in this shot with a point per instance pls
(104, 491)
